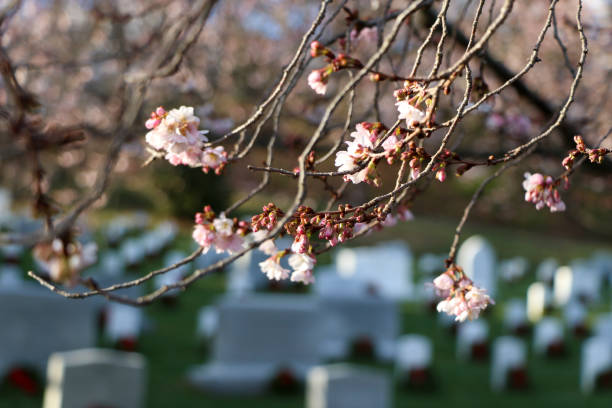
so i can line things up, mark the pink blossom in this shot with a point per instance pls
(411, 114)
(223, 225)
(461, 298)
(176, 133)
(302, 265)
(220, 234)
(268, 247)
(228, 243)
(212, 158)
(441, 175)
(357, 150)
(344, 161)
(390, 144)
(542, 192)
(443, 285)
(273, 269)
(363, 139)
(203, 236)
(300, 244)
(327, 231)
(477, 298)
(318, 81)
(152, 123)
(358, 177)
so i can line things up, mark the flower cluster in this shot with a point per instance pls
(542, 191)
(413, 101)
(223, 233)
(64, 260)
(594, 155)
(302, 263)
(176, 134)
(462, 298)
(318, 78)
(357, 153)
(305, 226)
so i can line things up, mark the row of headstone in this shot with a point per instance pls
(260, 338)
(284, 340)
(289, 334)
(119, 227)
(36, 323)
(11, 253)
(151, 243)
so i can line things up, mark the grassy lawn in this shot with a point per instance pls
(171, 347)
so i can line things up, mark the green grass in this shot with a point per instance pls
(171, 347)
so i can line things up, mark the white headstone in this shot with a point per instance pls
(151, 243)
(426, 292)
(258, 337)
(548, 337)
(413, 361)
(536, 301)
(347, 386)
(603, 326)
(111, 264)
(413, 352)
(601, 261)
(513, 269)
(385, 269)
(329, 283)
(472, 339)
(353, 321)
(477, 258)
(132, 252)
(95, 378)
(563, 286)
(515, 316)
(575, 315)
(208, 323)
(36, 322)
(123, 322)
(546, 270)
(509, 357)
(596, 360)
(586, 282)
